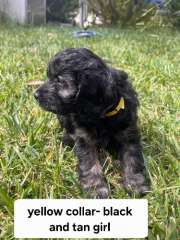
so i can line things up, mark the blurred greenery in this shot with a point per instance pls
(136, 12)
(123, 12)
(174, 8)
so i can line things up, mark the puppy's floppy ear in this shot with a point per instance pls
(87, 85)
(94, 92)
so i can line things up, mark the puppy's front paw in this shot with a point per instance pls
(136, 184)
(102, 192)
(97, 189)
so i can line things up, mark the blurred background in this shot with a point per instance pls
(93, 12)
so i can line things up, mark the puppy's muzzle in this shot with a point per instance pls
(37, 95)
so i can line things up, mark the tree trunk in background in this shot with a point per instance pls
(83, 12)
(106, 9)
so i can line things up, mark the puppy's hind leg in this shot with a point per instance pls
(134, 178)
(134, 172)
(89, 168)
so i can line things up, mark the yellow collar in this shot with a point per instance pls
(120, 106)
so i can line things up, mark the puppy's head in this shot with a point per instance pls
(78, 81)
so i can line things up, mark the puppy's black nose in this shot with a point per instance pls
(36, 95)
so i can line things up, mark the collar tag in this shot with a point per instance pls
(121, 105)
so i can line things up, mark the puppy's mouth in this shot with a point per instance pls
(47, 107)
(43, 103)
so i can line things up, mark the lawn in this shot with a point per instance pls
(33, 163)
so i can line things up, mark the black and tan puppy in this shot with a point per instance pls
(97, 107)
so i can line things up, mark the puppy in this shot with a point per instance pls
(97, 107)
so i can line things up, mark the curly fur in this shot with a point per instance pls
(80, 90)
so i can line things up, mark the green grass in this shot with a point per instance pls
(33, 163)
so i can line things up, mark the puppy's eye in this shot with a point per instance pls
(61, 82)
